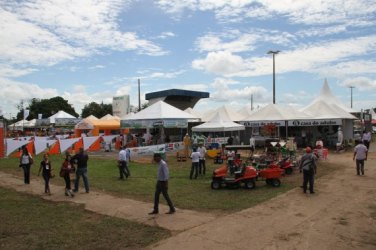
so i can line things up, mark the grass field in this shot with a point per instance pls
(29, 222)
(185, 193)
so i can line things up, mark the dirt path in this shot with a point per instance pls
(109, 205)
(341, 215)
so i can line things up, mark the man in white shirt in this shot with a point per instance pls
(202, 164)
(360, 154)
(252, 144)
(195, 156)
(367, 136)
(123, 163)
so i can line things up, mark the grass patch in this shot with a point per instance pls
(29, 222)
(189, 194)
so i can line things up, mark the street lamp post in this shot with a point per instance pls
(351, 89)
(273, 53)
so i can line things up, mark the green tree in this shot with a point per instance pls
(46, 107)
(97, 110)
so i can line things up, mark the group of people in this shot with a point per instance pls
(67, 167)
(198, 157)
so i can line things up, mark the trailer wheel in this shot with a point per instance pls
(250, 184)
(275, 182)
(216, 185)
(268, 181)
(288, 171)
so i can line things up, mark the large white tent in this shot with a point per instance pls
(220, 122)
(60, 114)
(158, 114)
(231, 113)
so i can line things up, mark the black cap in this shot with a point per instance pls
(157, 155)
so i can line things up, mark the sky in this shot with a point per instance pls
(92, 50)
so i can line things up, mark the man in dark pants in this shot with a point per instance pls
(81, 159)
(308, 165)
(360, 153)
(162, 185)
(123, 164)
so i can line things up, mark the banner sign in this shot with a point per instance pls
(262, 123)
(42, 122)
(66, 121)
(161, 148)
(323, 122)
(154, 123)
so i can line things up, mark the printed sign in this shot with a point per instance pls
(262, 123)
(324, 122)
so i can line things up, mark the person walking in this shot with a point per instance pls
(123, 163)
(26, 160)
(360, 154)
(195, 156)
(367, 137)
(202, 163)
(162, 185)
(308, 166)
(65, 171)
(81, 159)
(45, 165)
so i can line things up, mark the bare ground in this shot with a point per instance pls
(341, 215)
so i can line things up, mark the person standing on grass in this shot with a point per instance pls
(360, 154)
(195, 156)
(162, 185)
(45, 165)
(26, 160)
(81, 159)
(202, 164)
(123, 163)
(308, 165)
(66, 169)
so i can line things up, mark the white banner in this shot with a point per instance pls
(262, 123)
(161, 148)
(88, 141)
(66, 143)
(323, 122)
(109, 138)
(12, 145)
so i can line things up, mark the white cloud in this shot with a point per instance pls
(320, 58)
(10, 72)
(166, 34)
(360, 83)
(45, 32)
(302, 11)
(221, 62)
(12, 92)
(225, 91)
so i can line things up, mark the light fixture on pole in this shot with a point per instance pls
(351, 89)
(273, 53)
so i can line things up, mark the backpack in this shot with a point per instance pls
(308, 164)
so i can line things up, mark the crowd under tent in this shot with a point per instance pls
(157, 118)
(95, 127)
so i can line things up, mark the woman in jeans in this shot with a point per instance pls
(45, 165)
(25, 162)
(66, 168)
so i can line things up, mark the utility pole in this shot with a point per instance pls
(351, 91)
(273, 53)
(139, 96)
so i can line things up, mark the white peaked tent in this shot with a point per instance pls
(30, 124)
(91, 117)
(109, 117)
(322, 110)
(220, 122)
(274, 112)
(327, 96)
(194, 113)
(60, 114)
(232, 114)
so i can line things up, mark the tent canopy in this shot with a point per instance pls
(220, 122)
(230, 113)
(158, 114)
(275, 112)
(60, 114)
(320, 109)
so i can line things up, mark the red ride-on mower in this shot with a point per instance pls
(246, 175)
(284, 164)
(271, 175)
